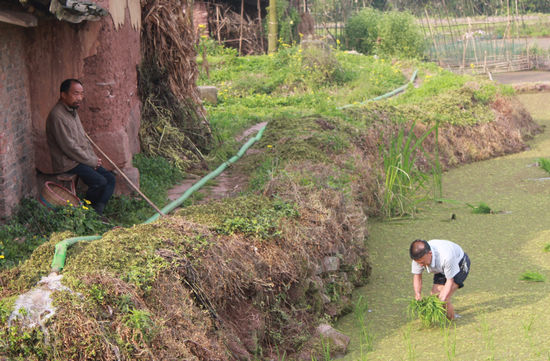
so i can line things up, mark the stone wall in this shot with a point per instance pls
(17, 178)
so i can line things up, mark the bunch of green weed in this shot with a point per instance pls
(544, 163)
(314, 66)
(373, 77)
(404, 182)
(310, 137)
(532, 276)
(33, 223)
(437, 82)
(430, 310)
(251, 215)
(449, 99)
(19, 344)
(480, 208)
(130, 254)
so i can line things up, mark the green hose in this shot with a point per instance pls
(170, 207)
(60, 255)
(384, 96)
(61, 250)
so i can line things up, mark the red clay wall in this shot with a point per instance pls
(105, 60)
(16, 152)
(33, 63)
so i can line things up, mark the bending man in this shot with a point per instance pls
(71, 151)
(449, 263)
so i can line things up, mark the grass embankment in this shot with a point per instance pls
(252, 276)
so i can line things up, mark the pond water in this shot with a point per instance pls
(502, 317)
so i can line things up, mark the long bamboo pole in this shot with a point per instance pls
(125, 177)
(241, 28)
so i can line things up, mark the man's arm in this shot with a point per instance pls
(66, 140)
(446, 290)
(417, 286)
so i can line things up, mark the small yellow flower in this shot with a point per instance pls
(269, 146)
(84, 207)
(472, 65)
(68, 201)
(1, 256)
(87, 201)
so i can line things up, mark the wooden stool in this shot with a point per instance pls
(72, 178)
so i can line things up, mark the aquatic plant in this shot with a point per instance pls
(532, 276)
(430, 310)
(449, 341)
(544, 163)
(360, 312)
(481, 208)
(403, 179)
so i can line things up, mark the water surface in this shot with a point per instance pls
(502, 318)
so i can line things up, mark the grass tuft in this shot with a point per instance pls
(481, 208)
(544, 163)
(430, 310)
(532, 277)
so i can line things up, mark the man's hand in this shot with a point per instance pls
(98, 163)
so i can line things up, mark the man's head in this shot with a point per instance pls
(421, 252)
(72, 93)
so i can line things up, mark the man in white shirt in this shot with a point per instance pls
(449, 263)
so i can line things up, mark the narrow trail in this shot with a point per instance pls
(227, 184)
(503, 318)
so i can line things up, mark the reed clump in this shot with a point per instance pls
(532, 277)
(430, 310)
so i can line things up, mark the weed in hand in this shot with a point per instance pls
(430, 310)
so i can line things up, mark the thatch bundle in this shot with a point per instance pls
(173, 119)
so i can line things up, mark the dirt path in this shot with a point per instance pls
(227, 184)
(503, 318)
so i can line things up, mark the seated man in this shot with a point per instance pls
(71, 151)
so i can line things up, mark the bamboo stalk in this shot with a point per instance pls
(241, 28)
(432, 34)
(125, 177)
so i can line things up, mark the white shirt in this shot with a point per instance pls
(445, 258)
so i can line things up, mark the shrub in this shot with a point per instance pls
(400, 35)
(362, 30)
(392, 33)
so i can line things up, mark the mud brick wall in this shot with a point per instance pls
(17, 175)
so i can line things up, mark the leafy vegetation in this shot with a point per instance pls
(403, 180)
(532, 276)
(33, 224)
(386, 34)
(480, 208)
(430, 310)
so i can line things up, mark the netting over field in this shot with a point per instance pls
(496, 43)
